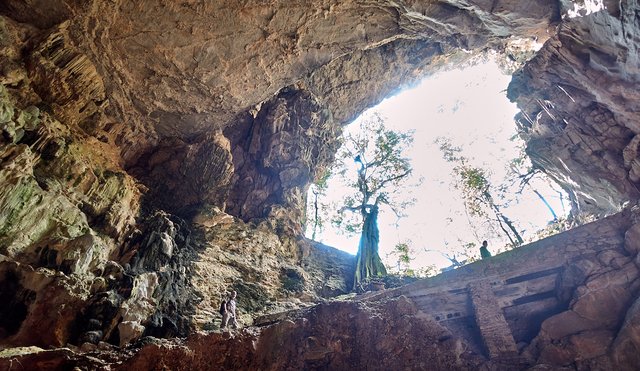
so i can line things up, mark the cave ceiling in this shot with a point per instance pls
(155, 154)
(185, 67)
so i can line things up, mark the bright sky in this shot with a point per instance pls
(470, 107)
(585, 8)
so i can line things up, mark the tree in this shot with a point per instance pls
(528, 176)
(319, 189)
(380, 171)
(476, 190)
(402, 252)
(522, 169)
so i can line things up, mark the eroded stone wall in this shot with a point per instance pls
(566, 302)
(184, 91)
(270, 271)
(156, 154)
(579, 107)
(100, 243)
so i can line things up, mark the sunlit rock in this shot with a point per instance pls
(137, 309)
(577, 101)
(155, 156)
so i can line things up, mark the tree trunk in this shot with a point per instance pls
(501, 218)
(368, 262)
(553, 213)
(316, 219)
(513, 229)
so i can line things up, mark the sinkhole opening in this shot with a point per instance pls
(470, 180)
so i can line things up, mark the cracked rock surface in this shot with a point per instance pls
(155, 155)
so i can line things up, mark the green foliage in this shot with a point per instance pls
(475, 179)
(315, 207)
(372, 166)
(477, 192)
(469, 251)
(377, 154)
(555, 227)
(561, 225)
(427, 271)
(403, 254)
(373, 170)
(474, 183)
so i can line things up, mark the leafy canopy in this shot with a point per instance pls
(372, 166)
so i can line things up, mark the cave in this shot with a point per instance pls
(156, 156)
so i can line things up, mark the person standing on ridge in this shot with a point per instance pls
(484, 252)
(223, 309)
(230, 312)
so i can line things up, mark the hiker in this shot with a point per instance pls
(223, 309)
(484, 253)
(228, 310)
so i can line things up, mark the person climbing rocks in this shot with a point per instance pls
(223, 306)
(229, 313)
(484, 252)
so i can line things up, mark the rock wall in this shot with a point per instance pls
(287, 143)
(101, 243)
(570, 300)
(194, 66)
(578, 101)
(566, 302)
(155, 155)
(66, 203)
(270, 271)
(216, 84)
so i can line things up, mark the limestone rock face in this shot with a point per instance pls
(181, 176)
(329, 336)
(279, 88)
(155, 155)
(578, 100)
(236, 57)
(269, 272)
(66, 203)
(64, 77)
(29, 297)
(289, 142)
(627, 343)
(580, 305)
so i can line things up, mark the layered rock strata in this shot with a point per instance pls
(80, 233)
(572, 305)
(579, 107)
(173, 76)
(156, 154)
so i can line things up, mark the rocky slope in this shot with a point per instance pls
(82, 231)
(157, 154)
(573, 305)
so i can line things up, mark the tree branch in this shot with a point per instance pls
(526, 178)
(350, 208)
(382, 198)
(384, 182)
